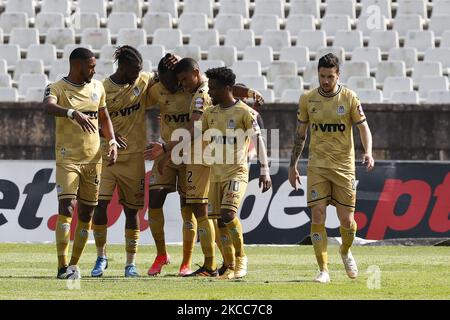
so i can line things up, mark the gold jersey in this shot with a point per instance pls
(228, 141)
(330, 118)
(126, 106)
(73, 145)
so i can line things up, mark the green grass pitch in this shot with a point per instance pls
(28, 271)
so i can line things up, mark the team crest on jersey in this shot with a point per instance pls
(63, 151)
(231, 124)
(314, 195)
(340, 110)
(136, 91)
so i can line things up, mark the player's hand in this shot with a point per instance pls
(294, 177)
(265, 182)
(170, 60)
(257, 97)
(153, 151)
(112, 154)
(122, 141)
(84, 121)
(368, 161)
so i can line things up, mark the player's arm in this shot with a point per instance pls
(264, 177)
(108, 132)
(244, 92)
(51, 107)
(366, 140)
(297, 149)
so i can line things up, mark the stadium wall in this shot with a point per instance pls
(409, 132)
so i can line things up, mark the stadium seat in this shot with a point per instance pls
(209, 64)
(24, 37)
(58, 67)
(268, 95)
(441, 7)
(341, 7)
(333, 23)
(276, 39)
(296, 22)
(8, 95)
(1, 35)
(132, 6)
(406, 22)
(312, 39)
(298, 54)
(132, 37)
(169, 38)
(355, 83)
(106, 52)
(310, 76)
(70, 47)
(234, 6)
(428, 83)
(254, 82)
(26, 6)
(262, 54)
(105, 67)
(223, 22)
(410, 97)
(247, 68)
(445, 41)
(60, 37)
(190, 21)
(391, 84)
(198, 6)
(204, 38)
(240, 39)
(10, 53)
(291, 95)
(385, 40)
(85, 20)
(188, 51)
(227, 54)
(407, 55)
(389, 69)
(96, 6)
(438, 96)
(121, 20)
(269, 7)
(169, 6)
(439, 54)
(5, 80)
(349, 40)
(96, 37)
(281, 68)
(426, 68)
(46, 20)
(147, 66)
(287, 82)
(153, 53)
(153, 21)
(311, 7)
(11, 20)
(369, 23)
(368, 7)
(28, 66)
(370, 96)
(59, 6)
(34, 94)
(421, 40)
(31, 81)
(337, 51)
(262, 22)
(439, 24)
(351, 69)
(371, 55)
(412, 7)
(3, 66)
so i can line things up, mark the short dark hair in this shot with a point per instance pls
(223, 75)
(329, 61)
(186, 65)
(81, 53)
(162, 67)
(127, 54)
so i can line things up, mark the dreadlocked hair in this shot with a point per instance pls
(126, 54)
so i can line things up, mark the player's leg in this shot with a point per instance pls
(225, 245)
(318, 196)
(132, 232)
(99, 228)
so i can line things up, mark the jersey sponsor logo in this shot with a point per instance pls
(329, 127)
(341, 110)
(92, 114)
(126, 111)
(224, 140)
(184, 117)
